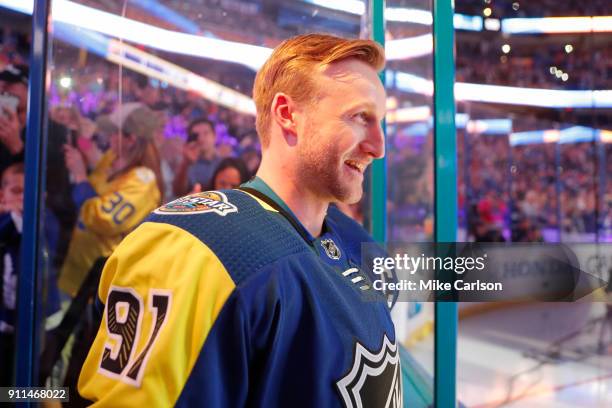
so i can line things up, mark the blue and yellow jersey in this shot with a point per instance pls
(109, 210)
(217, 301)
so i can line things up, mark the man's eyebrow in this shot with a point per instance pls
(369, 106)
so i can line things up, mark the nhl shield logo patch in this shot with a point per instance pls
(198, 203)
(374, 380)
(331, 249)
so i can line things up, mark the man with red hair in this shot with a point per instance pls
(255, 296)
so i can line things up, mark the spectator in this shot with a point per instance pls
(491, 209)
(230, 173)
(11, 208)
(485, 232)
(526, 231)
(11, 223)
(168, 155)
(226, 147)
(199, 157)
(13, 81)
(111, 206)
(146, 93)
(67, 116)
(252, 158)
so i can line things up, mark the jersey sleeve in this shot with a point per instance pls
(163, 290)
(120, 210)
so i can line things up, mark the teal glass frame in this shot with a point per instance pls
(445, 179)
(378, 186)
(445, 204)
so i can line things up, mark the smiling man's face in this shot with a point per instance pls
(341, 132)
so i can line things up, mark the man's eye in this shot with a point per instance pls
(362, 117)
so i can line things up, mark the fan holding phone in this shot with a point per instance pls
(13, 105)
(200, 158)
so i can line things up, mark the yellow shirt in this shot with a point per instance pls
(104, 220)
(99, 176)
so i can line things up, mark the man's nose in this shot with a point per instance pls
(374, 144)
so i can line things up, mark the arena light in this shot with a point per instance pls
(165, 13)
(410, 83)
(115, 26)
(556, 25)
(391, 103)
(573, 134)
(461, 120)
(408, 15)
(510, 95)
(602, 99)
(577, 134)
(605, 136)
(547, 98)
(407, 115)
(406, 48)
(21, 6)
(501, 126)
(65, 82)
(490, 126)
(467, 23)
(551, 136)
(529, 137)
(492, 24)
(155, 67)
(348, 6)
(602, 24)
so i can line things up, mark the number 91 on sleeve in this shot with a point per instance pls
(33, 394)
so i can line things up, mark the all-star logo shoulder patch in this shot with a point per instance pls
(199, 203)
(375, 378)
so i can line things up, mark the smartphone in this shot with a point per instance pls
(8, 102)
(192, 137)
(72, 138)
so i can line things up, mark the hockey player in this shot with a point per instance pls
(255, 296)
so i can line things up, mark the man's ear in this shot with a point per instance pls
(283, 114)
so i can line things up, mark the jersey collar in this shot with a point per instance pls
(327, 246)
(261, 186)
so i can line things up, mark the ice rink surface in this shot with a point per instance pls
(536, 355)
